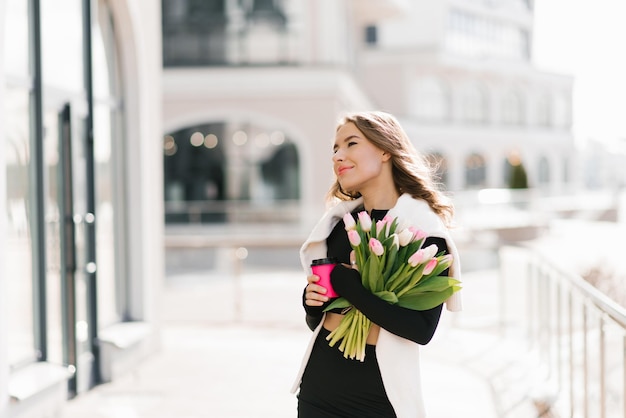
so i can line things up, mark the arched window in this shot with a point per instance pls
(511, 109)
(474, 104)
(429, 100)
(475, 171)
(515, 172)
(219, 172)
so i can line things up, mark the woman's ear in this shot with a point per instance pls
(386, 156)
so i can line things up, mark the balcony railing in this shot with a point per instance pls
(578, 333)
(233, 212)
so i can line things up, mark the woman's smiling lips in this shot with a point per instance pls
(342, 170)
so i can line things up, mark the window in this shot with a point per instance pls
(222, 32)
(511, 109)
(475, 171)
(371, 35)
(476, 36)
(20, 258)
(227, 172)
(474, 105)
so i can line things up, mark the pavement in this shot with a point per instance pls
(231, 345)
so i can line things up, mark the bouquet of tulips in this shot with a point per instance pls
(394, 267)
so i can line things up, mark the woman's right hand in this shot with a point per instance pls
(314, 294)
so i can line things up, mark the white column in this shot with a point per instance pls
(140, 25)
(456, 171)
(493, 161)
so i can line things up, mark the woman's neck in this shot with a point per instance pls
(381, 201)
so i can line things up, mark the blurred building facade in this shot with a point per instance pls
(253, 89)
(81, 244)
(118, 114)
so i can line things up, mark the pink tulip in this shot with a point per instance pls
(430, 251)
(380, 225)
(384, 223)
(366, 221)
(417, 233)
(376, 247)
(405, 237)
(416, 258)
(349, 222)
(430, 266)
(354, 238)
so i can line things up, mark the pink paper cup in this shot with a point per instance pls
(322, 268)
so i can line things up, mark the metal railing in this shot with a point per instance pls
(236, 247)
(578, 333)
(232, 211)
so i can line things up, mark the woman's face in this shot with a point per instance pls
(358, 163)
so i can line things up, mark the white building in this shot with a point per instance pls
(458, 74)
(222, 111)
(81, 203)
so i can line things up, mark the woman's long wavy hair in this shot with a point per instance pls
(412, 172)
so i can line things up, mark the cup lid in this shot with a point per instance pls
(320, 261)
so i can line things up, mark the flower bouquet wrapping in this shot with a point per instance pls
(394, 267)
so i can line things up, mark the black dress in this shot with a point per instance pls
(335, 387)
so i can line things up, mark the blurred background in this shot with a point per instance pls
(161, 162)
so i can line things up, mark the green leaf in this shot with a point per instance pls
(394, 226)
(414, 278)
(338, 303)
(401, 280)
(400, 260)
(363, 236)
(426, 300)
(435, 284)
(416, 245)
(373, 274)
(397, 277)
(387, 296)
(389, 263)
(387, 241)
(412, 247)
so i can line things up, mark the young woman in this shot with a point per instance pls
(378, 170)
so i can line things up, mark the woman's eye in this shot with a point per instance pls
(351, 143)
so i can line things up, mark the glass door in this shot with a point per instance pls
(69, 217)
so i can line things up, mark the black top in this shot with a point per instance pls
(417, 326)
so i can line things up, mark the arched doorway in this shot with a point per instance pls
(475, 171)
(225, 172)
